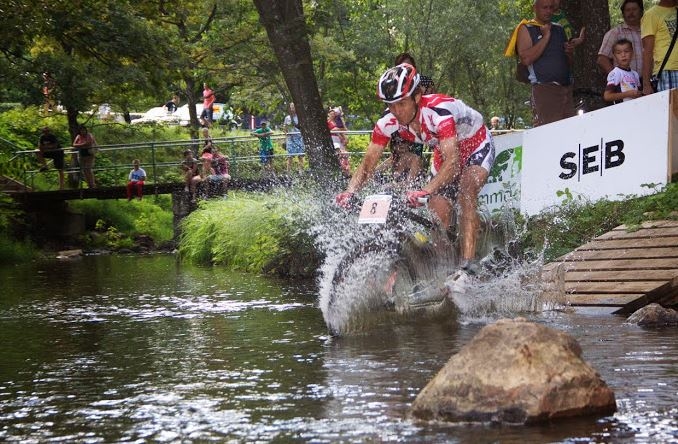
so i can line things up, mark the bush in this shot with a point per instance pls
(252, 232)
(122, 220)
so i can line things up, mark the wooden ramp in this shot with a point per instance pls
(621, 270)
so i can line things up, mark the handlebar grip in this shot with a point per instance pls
(423, 200)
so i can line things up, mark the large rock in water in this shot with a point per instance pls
(515, 371)
(654, 315)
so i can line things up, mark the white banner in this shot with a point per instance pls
(609, 153)
(503, 184)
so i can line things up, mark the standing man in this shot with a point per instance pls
(543, 47)
(49, 147)
(463, 151)
(294, 141)
(207, 105)
(632, 11)
(656, 29)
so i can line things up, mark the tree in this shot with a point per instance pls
(286, 28)
(588, 80)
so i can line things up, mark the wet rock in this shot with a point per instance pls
(69, 254)
(143, 242)
(515, 372)
(654, 315)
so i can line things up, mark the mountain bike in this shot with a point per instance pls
(392, 269)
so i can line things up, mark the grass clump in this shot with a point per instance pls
(251, 232)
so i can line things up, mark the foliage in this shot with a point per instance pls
(249, 231)
(122, 220)
(11, 248)
(576, 221)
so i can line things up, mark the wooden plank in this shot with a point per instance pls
(621, 253)
(615, 244)
(617, 276)
(647, 232)
(619, 264)
(605, 300)
(666, 294)
(611, 287)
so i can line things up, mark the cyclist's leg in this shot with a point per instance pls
(473, 177)
(472, 180)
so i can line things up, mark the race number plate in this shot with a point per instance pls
(375, 209)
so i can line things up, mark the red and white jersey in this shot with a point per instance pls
(441, 117)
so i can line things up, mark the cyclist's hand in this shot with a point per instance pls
(415, 198)
(344, 199)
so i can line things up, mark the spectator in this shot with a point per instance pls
(136, 181)
(559, 18)
(86, 145)
(263, 133)
(172, 106)
(214, 172)
(623, 83)
(208, 144)
(207, 106)
(294, 143)
(191, 173)
(221, 165)
(542, 46)
(425, 82)
(632, 11)
(494, 123)
(404, 166)
(49, 147)
(339, 142)
(340, 124)
(48, 86)
(656, 30)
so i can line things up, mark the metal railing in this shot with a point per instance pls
(241, 151)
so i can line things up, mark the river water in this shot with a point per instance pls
(142, 348)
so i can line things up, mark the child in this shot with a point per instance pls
(191, 174)
(136, 180)
(623, 83)
(265, 145)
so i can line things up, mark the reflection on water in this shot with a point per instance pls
(142, 348)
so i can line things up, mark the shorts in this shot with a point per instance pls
(295, 145)
(265, 156)
(482, 156)
(57, 156)
(86, 162)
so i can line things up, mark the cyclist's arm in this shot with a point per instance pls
(449, 170)
(366, 168)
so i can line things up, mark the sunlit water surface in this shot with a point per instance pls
(122, 349)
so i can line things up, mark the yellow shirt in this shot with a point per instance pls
(660, 22)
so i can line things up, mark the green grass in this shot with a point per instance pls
(249, 231)
(122, 220)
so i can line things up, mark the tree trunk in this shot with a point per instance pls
(286, 28)
(192, 101)
(589, 82)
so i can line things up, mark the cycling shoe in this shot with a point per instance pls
(425, 294)
(458, 282)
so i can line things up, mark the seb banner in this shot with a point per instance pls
(609, 153)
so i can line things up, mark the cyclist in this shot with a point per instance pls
(463, 151)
